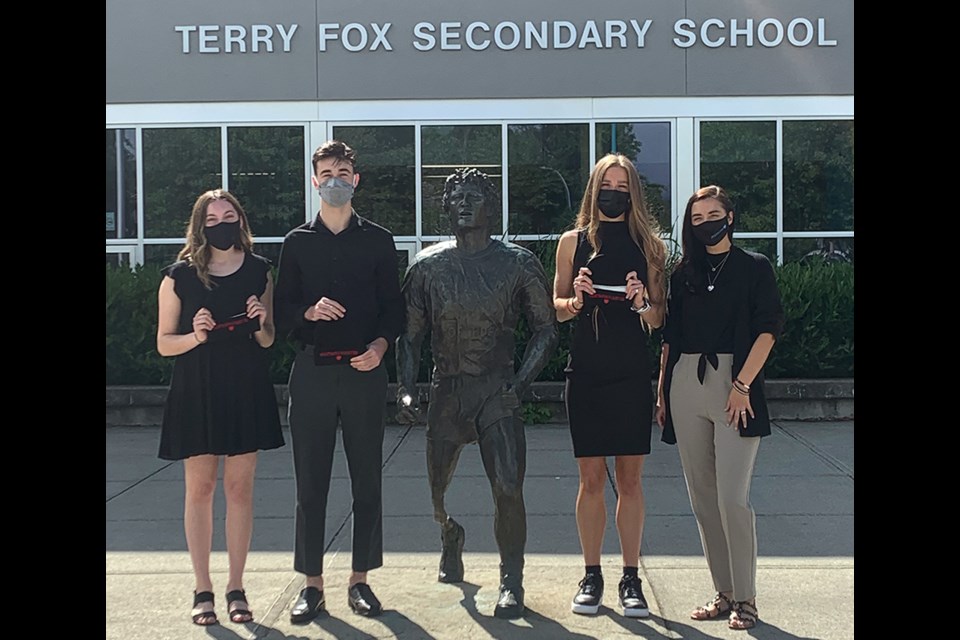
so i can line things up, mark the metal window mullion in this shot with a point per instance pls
(418, 184)
(779, 159)
(224, 170)
(319, 132)
(141, 196)
(817, 234)
(504, 180)
(593, 144)
(118, 149)
(687, 178)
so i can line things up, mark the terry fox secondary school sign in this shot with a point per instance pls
(249, 50)
(356, 37)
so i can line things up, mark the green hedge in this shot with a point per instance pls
(817, 341)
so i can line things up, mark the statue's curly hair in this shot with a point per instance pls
(470, 175)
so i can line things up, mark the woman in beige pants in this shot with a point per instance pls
(724, 314)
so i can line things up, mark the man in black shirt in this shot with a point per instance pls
(338, 292)
(469, 294)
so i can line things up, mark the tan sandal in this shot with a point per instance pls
(719, 606)
(743, 616)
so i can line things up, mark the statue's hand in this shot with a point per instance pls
(511, 394)
(408, 407)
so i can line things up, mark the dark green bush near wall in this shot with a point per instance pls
(132, 356)
(817, 341)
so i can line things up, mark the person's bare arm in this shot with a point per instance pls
(568, 299)
(169, 341)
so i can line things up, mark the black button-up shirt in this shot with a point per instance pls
(357, 267)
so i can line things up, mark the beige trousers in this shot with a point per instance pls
(718, 466)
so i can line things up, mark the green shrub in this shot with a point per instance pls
(535, 413)
(132, 356)
(817, 341)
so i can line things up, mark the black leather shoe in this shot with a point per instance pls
(451, 556)
(361, 599)
(510, 604)
(308, 606)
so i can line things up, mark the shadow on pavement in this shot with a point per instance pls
(400, 626)
(505, 629)
(763, 630)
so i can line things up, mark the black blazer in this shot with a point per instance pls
(758, 311)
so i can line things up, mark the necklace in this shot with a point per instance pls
(716, 271)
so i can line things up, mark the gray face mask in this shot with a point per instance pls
(336, 192)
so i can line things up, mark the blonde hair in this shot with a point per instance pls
(196, 251)
(643, 228)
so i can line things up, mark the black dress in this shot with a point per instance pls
(221, 400)
(609, 395)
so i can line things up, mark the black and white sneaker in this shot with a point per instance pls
(590, 595)
(631, 598)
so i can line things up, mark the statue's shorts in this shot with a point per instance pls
(463, 407)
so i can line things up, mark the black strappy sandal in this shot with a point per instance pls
(721, 605)
(204, 618)
(744, 616)
(240, 614)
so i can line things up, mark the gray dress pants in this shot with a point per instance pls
(718, 466)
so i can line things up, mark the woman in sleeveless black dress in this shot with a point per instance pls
(610, 278)
(216, 317)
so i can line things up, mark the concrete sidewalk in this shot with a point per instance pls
(802, 492)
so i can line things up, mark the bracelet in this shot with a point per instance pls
(740, 391)
(571, 306)
(646, 307)
(742, 383)
(197, 338)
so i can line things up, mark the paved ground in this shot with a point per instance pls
(802, 492)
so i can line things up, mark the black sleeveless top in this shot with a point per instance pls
(221, 400)
(609, 343)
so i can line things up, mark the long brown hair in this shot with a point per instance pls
(196, 251)
(644, 229)
(693, 265)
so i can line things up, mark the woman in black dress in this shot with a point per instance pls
(610, 277)
(724, 316)
(216, 317)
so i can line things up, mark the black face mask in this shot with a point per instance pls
(711, 232)
(223, 235)
(613, 203)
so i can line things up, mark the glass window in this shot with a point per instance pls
(403, 261)
(267, 176)
(548, 168)
(741, 157)
(178, 165)
(818, 175)
(118, 260)
(808, 249)
(269, 250)
(647, 144)
(766, 246)
(121, 219)
(386, 162)
(546, 252)
(160, 255)
(447, 148)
